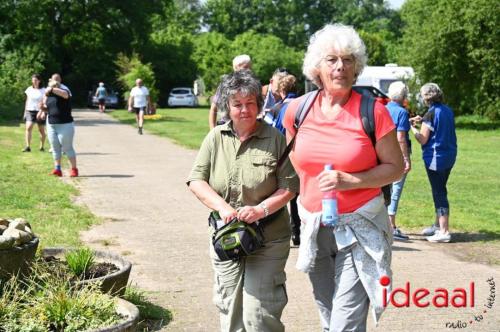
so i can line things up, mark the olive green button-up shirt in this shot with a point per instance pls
(246, 173)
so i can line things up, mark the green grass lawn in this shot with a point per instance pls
(27, 191)
(473, 188)
(185, 126)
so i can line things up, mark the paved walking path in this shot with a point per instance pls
(136, 183)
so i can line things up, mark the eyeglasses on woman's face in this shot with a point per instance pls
(333, 60)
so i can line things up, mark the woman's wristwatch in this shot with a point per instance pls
(264, 207)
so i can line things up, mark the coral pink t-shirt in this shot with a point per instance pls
(341, 142)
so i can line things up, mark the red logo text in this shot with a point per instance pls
(423, 297)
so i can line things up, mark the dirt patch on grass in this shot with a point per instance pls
(483, 248)
(477, 252)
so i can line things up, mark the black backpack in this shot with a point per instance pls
(367, 119)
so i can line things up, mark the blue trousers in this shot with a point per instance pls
(438, 180)
(397, 190)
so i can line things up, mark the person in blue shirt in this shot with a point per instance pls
(398, 93)
(285, 87)
(439, 150)
(101, 95)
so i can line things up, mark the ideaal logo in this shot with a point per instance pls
(440, 298)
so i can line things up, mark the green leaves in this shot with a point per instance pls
(130, 69)
(80, 260)
(455, 44)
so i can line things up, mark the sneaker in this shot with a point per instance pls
(439, 237)
(429, 231)
(27, 149)
(140, 131)
(73, 173)
(42, 149)
(56, 172)
(399, 236)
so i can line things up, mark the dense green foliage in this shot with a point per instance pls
(453, 43)
(129, 69)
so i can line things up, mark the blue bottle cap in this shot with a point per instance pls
(328, 167)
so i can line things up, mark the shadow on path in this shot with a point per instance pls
(107, 176)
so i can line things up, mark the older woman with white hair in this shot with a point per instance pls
(439, 151)
(237, 173)
(345, 263)
(398, 93)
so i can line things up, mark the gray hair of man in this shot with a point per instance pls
(397, 91)
(243, 82)
(333, 37)
(243, 59)
(431, 93)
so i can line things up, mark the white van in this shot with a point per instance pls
(382, 76)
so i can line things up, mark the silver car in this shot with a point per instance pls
(182, 97)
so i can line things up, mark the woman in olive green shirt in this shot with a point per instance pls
(236, 174)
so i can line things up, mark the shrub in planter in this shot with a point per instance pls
(110, 270)
(47, 301)
(80, 261)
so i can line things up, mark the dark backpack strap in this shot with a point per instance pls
(367, 112)
(300, 115)
(304, 107)
(367, 117)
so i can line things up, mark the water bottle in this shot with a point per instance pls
(330, 215)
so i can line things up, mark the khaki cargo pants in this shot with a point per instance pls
(251, 293)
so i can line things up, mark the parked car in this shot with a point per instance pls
(372, 91)
(112, 99)
(182, 97)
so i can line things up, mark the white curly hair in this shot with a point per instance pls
(338, 37)
(397, 91)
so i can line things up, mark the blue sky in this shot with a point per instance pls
(396, 4)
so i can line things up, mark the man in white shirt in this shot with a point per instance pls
(138, 102)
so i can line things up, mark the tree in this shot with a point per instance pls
(375, 48)
(130, 69)
(81, 38)
(16, 69)
(212, 55)
(268, 52)
(294, 21)
(455, 44)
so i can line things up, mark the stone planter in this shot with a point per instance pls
(17, 260)
(131, 313)
(114, 283)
